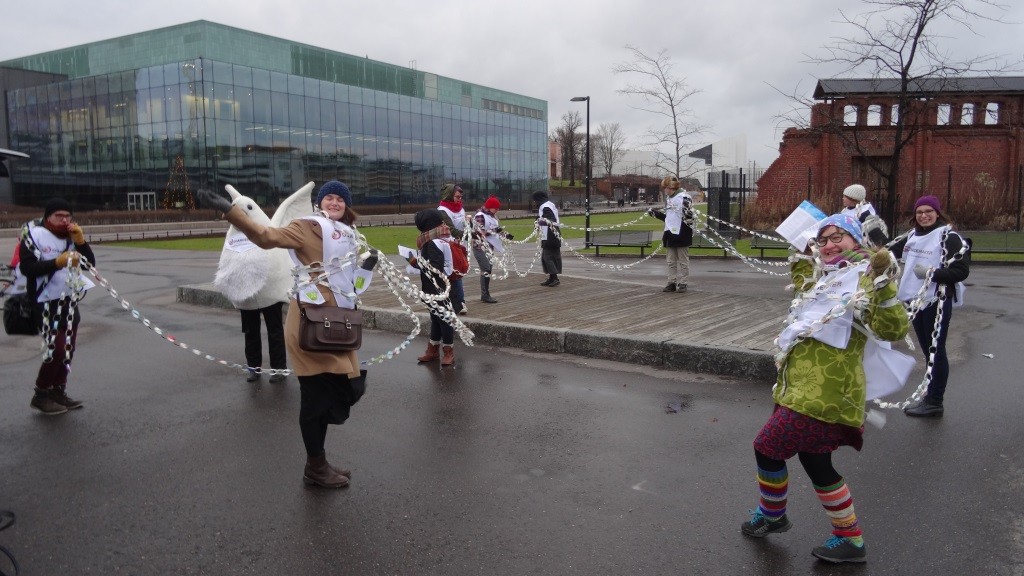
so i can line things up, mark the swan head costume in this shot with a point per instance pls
(248, 276)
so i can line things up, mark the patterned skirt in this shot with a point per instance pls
(788, 432)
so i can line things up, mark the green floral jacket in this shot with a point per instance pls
(827, 383)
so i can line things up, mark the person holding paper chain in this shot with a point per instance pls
(678, 235)
(435, 250)
(488, 231)
(821, 388)
(329, 382)
(932, 247)
(856, 205)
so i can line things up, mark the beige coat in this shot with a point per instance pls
(306, 239)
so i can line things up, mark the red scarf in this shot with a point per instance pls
(455, 207)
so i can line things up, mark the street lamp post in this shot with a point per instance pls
(586, 209)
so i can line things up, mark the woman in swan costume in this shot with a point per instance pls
(258, 281)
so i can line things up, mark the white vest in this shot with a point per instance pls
(926, 250)
(823, 298)
(490, 225)
(49, 247)
(344, 276)
(859, 210)
(458, 220)
(675, 205)
(540, 214)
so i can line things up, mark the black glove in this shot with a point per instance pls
(509, 236)
(371, 261)
(211, 199)
(499, 229)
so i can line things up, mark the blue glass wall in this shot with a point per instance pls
(98, 138)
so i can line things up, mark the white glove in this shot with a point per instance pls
(921, 271)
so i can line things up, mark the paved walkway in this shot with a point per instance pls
(723, 325)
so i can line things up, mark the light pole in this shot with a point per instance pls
(586, 209)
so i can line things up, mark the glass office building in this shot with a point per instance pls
(222, 105)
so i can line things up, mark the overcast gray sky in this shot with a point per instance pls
(732, 50)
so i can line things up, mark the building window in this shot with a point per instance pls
(944, 113)
(967, 114)
(850, 115)
(895, 114)
(875, 115)
(992, 113)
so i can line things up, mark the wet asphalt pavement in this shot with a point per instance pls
(509, 463)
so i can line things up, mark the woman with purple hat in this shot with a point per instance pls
(844, 297)
(936, 261)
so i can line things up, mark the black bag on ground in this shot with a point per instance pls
(21, 316)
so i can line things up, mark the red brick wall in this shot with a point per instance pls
(984, 159)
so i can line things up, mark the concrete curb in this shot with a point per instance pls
(666, 354)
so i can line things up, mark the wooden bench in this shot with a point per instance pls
(700, 241)
(761, 243)
(620, 238)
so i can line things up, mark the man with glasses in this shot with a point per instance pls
(50, 248)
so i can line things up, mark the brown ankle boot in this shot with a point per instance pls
(431, 354)
(449, 355)
(319, 473)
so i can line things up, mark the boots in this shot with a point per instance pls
(43, 400)
(485, 290)
(449, 355)
(431, 354)
(61, 397)
(319, 473)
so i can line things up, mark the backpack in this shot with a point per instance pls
(460, 260)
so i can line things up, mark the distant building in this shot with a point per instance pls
(968, 146)
(106, 123)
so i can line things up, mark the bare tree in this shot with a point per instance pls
(570, 143)
(664, 94)
(609, 145)
(895, 44)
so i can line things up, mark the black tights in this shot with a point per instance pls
(818, 467)
(325, 399)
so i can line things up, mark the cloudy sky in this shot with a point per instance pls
(734, 51)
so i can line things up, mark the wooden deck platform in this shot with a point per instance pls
(622, 308)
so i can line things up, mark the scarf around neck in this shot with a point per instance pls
(441, 231)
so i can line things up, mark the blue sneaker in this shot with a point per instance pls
(838, 550)
(760, 526)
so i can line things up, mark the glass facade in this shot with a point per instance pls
(395, 135)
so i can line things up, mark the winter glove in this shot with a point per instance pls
(499, 229)
(880, 262)
(371, 261)
(509, 236)
(211, 199)
(77, 235)
(876, 231)
(651, 211)
(921, 271)
(67, 259)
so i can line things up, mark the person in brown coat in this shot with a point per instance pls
(329, 382)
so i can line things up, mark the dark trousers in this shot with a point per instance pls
(275, 336)
(441, 331)
(325, 399)
(54, 374)
(551, 260)
(924, 324)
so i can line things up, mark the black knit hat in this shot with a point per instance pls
(56, 205)
(540, 196)
(427, 219)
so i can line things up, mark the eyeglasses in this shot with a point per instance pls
(925, 212)
(835, 238)
(62, 216)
